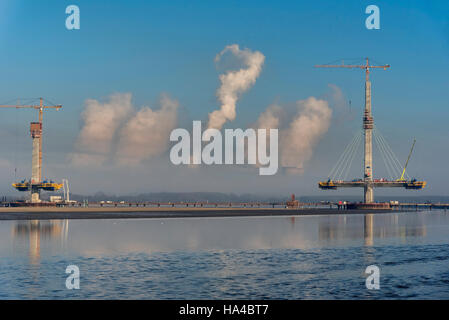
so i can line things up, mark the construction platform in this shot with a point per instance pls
(407, 184)
(368, 206)
(45, 185)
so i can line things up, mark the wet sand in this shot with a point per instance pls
(54, 213)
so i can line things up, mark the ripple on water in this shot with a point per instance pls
(333, 273)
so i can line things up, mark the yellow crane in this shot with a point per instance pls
(36, 133)
(406, 163)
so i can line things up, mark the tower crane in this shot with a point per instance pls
(365, 66)
(36, 183)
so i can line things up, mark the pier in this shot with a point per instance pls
(139, 210)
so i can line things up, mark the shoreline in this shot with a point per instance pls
(55, 213)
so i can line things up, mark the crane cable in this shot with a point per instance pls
(386, 151)
(385, 159)
(345, 160)
(392, 164)
(354, 151)
(349, 155)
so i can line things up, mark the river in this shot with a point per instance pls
(305, 257)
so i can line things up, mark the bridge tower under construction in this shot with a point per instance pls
(368, 183)
(36, 161)
(368, 123)
(36, 183)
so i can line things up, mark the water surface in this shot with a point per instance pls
(309, 257)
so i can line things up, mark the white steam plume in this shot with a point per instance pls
(270, 118)
(146, 134)
(114, 132)
(234, 83)
(101, 121)
(299, 137)
(305, 130)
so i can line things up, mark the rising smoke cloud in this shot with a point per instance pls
(113, 132)
(271, 117)
(309, 125)
(343, 113)
(234, 83)
(299, 136)
(100, 123)
(146, 134)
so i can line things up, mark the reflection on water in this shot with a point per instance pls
(374, 226)
(93, 237)
(35, 230)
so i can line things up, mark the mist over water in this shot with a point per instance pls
(310, 257)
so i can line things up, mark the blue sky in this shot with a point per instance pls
(150, 47)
